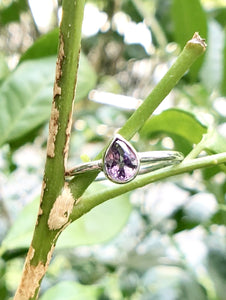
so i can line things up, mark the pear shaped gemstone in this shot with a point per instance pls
(121, 163)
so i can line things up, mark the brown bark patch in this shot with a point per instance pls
(56, 90)
(40, 211)
(68, 134)
(53, 129)
(196, 39)
(59, 63)
(32, 276)
(61, 209)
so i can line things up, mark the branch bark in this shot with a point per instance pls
(56, 201)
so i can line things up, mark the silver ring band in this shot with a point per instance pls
(121, 163)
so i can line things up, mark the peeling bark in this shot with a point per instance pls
(32, 276)
(40, 211)
(59, 62)
(196, 39)
(53, 126)
(55, 210)
(53, 129)
(56, 90)
(42, 190)
(61, 230)
(68, 134)
(61, 210)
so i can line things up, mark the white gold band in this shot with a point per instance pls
(121, 163)
(149, 161)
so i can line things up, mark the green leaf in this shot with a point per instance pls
(12, 12)
(216, 266)
(4, 70)
(219, 14)
(219, 217)
(216, 143)
(189, 17)
(175, 122)
(129, 8)
(71, 291)
(223, 85)
(144, 8)
(25, 98)
(26, 95)
(20, 233)
(182, 221)
(99, 225)
(212, 68)
(86, 78)
(46, 45)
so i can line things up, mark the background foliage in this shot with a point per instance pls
(165, 241)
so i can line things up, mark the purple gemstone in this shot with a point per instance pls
(121, 163)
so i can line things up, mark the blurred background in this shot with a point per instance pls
(162, 242)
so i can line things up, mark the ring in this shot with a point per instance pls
(121, 163)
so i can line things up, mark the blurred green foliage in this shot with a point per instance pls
(165, 241)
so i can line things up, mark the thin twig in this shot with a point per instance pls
(86, 203)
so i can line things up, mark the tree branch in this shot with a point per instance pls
(56, 199)
(192, 50)
(86, 203)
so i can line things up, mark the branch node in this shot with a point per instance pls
(196, 39)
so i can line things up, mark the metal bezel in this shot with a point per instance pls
(119, 137)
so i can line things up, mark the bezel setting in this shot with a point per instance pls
(121, 163)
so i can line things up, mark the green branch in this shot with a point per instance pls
(192, 50)
(86, 203)
(53, 212)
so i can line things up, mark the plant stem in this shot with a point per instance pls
(200, 146)
(56, 201)
(86, 203)
(192, 50)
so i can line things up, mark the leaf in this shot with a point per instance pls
(99, 225)
(219, 218)
(86, 78)
(4, 70)
(129, 8)
(20, 233)
(26, 95)
(12, 12)
(212, 69)
(219, 14)
(46, 45)
(144, 8)
(223, 85)
(175, 122)
(172, 282)
(25, 98)
(216, 143)
(183, 222)
(189, 17)
(72, 290)
(216, 266)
